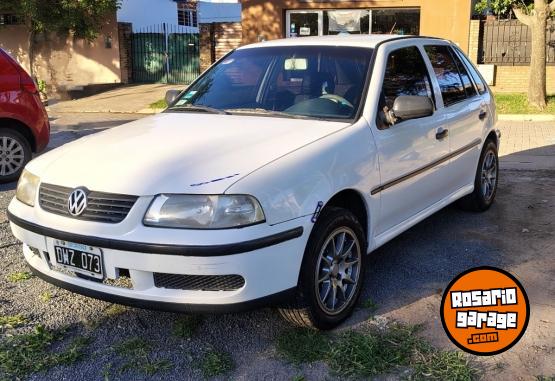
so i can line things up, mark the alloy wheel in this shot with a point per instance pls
(12, 156)
(489, 175)
(338, 271)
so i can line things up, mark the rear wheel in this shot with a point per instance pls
(485, 182)
(331, 274)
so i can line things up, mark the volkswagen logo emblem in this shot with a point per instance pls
(77, 202)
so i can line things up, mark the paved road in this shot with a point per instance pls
(404, 278)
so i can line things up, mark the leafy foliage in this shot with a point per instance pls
(501, 7)
(83, 18)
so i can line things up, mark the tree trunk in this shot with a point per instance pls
(537, 91)
(537, 21)
(32, 54)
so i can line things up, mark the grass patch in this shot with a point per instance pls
(369, 304)
(114, 310)
(158, 104)
(137, 352)
(517, 103)
(19, 276)
(186, 326)
(438, 365)
(375, 352)
(7, 322)
(545, 378)
(216, 363)
(46, 296)
(29, 353)
(300, 345)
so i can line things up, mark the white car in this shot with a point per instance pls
(267, 181)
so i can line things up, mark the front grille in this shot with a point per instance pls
(101, 207)
(199, 282)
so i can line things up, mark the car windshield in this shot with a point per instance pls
(324, 82)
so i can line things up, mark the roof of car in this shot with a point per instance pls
(356, 40)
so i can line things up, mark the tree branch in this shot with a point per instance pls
(552, 6)
(523, 17)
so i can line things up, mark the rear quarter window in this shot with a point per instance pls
(473, 72)
(447, 73)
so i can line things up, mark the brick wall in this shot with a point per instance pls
(216, 40)
(474, 40)
(514, 79)
(508, 79)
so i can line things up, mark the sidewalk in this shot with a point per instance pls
(527, 145)
(128, 99)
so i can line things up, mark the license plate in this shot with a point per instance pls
(83, 259)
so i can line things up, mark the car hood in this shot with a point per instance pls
(177, 153)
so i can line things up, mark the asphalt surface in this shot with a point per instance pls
(405, 279)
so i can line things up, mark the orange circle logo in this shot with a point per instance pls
(485, 311)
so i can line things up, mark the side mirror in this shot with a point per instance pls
(171, 96)
(412, 107)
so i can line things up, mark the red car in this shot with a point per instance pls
(24, 126)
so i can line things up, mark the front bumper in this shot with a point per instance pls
(270, 264)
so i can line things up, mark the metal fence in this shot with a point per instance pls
(165, 53)
(509, 43)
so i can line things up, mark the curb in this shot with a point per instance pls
(527, 118)
(142, 111)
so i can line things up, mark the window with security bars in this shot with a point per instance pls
(186, 16)
(10, 19)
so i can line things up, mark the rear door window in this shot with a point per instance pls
(453, 87)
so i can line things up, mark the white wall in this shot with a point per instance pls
(144, 13)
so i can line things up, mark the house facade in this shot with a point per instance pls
(265, 20)
(64, 63)
(186, 13)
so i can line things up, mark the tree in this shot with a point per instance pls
(82, 18)
(536, 19)
(535, 14)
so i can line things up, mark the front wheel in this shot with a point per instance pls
(485, 182)
(15, 153)
(331, 274)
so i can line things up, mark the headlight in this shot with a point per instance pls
(203, 211)
(27, 188)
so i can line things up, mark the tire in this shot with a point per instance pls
(325, 269)
(485, 181)
(15, 153)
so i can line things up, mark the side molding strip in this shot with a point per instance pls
(417, 172)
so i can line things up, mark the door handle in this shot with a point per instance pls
(483, 114)
(442, 134)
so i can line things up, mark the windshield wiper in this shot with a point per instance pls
(196, 108)
(262, 111)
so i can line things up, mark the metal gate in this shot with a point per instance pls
(165, 53)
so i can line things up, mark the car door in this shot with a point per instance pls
(464, 113)
(411, 152)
